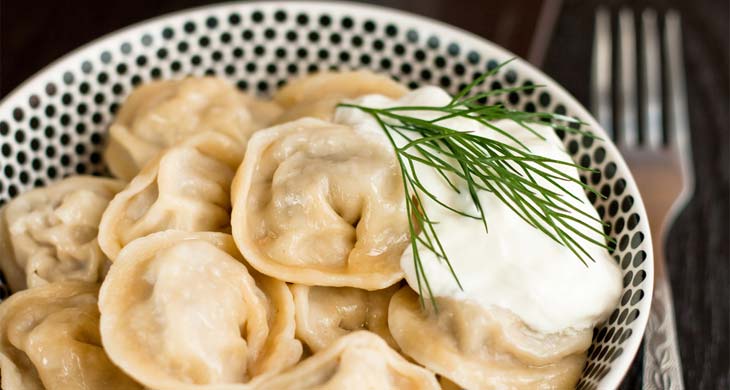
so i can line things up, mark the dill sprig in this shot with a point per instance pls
(483, 164)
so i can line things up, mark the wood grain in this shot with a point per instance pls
(698, 250)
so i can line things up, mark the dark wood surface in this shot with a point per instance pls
(33, 33)
(698, 252)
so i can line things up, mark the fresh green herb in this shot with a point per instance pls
(483, 164)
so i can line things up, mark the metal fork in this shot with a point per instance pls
(660, 160)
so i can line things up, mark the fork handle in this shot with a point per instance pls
(662, 365)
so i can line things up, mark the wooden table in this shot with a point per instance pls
(33, 33)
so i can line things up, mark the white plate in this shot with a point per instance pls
(55, 124)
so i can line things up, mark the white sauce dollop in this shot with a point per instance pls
(515, 266)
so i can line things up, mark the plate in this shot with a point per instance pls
(55, 124)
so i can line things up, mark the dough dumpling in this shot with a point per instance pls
(317, 203)
(50, 234)
(49, 339)
(485, 349)
(181, 311)
(324, 314)
(185, 188)
(317, 95)
(159, 114)
(358, 361)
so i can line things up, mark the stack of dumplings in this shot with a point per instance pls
(243, 244)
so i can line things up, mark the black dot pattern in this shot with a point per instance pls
(56, 125)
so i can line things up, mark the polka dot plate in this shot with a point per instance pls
(55, 124)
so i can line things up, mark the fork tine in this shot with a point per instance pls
(678, 120)
(601, 71)
(651, 80)
(627, 77)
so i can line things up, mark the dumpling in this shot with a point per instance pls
(317, 203)
(447, 384)
(485, 349)
(181, 310)
(317, 95)
(49, 339)
(324, 314)
(184, 188)
(358, 361)
(159, 114)
(50, 234)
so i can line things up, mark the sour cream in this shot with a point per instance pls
(514, 266)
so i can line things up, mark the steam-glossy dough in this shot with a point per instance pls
(185, 188)
(317, 95)
(358, 361)
(180, 310)
(324, 314)
(320, 204)
(49, 339)
(161, 113)
(49, 234)
(480, 349)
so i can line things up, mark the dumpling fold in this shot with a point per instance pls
(318, 203)
(182, 311)
(481, 349)
(185, 188)
(324, 314)
(160, 114)
(317, 95)
(49, 339)
(50, 234)
(359, 361)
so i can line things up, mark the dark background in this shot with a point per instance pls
(34, 33)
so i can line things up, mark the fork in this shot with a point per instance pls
(653, 137)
